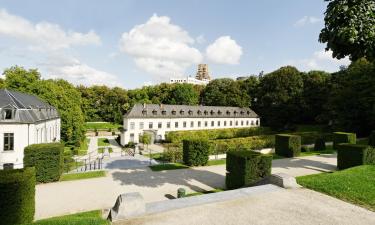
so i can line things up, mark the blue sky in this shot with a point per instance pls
(132, 43)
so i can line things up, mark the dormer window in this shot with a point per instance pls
(248, 112)
(182, 112)
(228, 112)
(173, 112)
(219, 112)
(242, 112)
(205, 112)
(144, 112)
(164, 112)
(212, 112)
(199, 112)
(235, 112)
(190, 112)
(7, 114)
(154, 112)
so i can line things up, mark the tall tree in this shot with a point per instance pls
(350, 29)
(183, 94)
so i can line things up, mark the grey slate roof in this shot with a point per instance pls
(187, 111)
(26, 108)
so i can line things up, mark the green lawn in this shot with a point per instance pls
(216, 162)
(355, 185)
(203, 192)
(103, 142)
(80, 176)
(84, 147)
(102, 126)
(156, 156)
(168, 166)
(85, 218)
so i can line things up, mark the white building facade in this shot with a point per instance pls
(188, 80)
(24, 120)
(160, 119)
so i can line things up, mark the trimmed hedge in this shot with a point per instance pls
(255, 142)
(350, 155)
(195, 152)
(245, 168)
(371, 139)
(17, 196)
(287, 145)
(320, 144)
(48, 160)
(342, 137)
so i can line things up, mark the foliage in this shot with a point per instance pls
(103, 142)
(371, 139)
(349, 29)
(183, 94)
(80, 176)
(342, 137)
(355, 185)
(195, 152)
(279, 97)
(245, 168)
(102, 126)
(254, 142)
(287, 145)
(17, 194)
(173, 154)
(350, 155)
(48, 160)
(225, 92)
(92, 218)
(320, 144)
(168, 166)
(145, 138)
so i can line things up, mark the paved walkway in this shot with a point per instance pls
(82, 195)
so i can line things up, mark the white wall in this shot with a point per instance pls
(24, 135)
(125, 136)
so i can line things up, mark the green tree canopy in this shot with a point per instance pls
(350, 29)
(183, 94)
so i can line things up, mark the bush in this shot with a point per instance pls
(47, 159)
(320, 144)
(350, 155)
(17, 196)
(245, 168)
(173, 154)
(371, 139)
(341, 137)
(254, 142)
(195, 152)
(287, 145)
(305, 149)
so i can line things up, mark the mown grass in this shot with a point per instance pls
(203, 192)
(102, 126)
(81, 176)
(156, 156)
(103, 142)
(85, 218)
(216, 162)
(355, 185)
(168, 166)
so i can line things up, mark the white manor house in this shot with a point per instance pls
(24, 120)
(157, 120)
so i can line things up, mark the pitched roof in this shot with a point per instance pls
(29, 108)
(188, 111)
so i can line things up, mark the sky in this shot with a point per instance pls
(132, 43)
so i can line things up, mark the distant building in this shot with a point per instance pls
(201, 78)
(24, 120)
(157, 120)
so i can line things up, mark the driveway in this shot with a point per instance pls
(82, 195)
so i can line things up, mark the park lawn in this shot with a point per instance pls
(355, 185)
(81, 176)
(216, 162)
(168, 166)
(203, 192)
(103, 142)
(102, 126)
(91, 217)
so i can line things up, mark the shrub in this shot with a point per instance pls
(287, 145)
(350, 155)
(254, 142)
(371, 139)
(305, 149)
(47, 159)
(173, 154)
(320, 144)
(195, 152)
(245, 168)
(341, 137)
(17, 196)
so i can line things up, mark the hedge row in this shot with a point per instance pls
(17, 196)
(371, 139)
(244, 168)
(213, 134)
(48, 160)
(255, 142)
(195, 152)
(287, 145)
(342, 137)
(350, 155)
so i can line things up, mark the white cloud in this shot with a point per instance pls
(307, 20)
(224, 50)
(320, 60)
(201, 39)
(160, 47)
(43, 35)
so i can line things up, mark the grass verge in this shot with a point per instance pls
(168, 166)
(216, 162)
(103, 142)
(91, 217)
(80, 176)
(102, 126)
(355, 185)
(203, 192)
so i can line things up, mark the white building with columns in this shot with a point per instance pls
(160, 119)
(24, 120)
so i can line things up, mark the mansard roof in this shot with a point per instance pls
(188, 111)
(27, 108)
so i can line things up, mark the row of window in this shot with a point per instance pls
(192, 124)
(199, 112)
